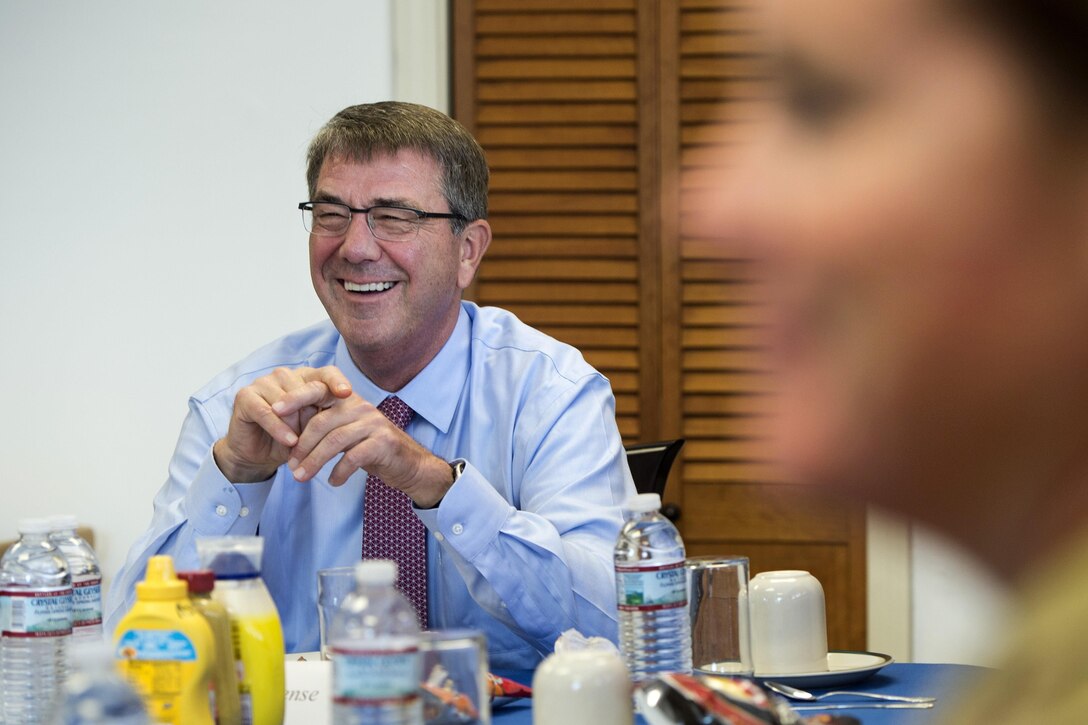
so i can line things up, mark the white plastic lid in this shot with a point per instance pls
(91, 654)
(34, 526)
(643, 503)
(375, 572)
(231, 557)
(63, 522)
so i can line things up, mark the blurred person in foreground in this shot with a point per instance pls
(506, 481)
(916, 201)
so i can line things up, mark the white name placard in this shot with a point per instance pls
(308, 691)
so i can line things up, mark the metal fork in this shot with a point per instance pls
(797, 694)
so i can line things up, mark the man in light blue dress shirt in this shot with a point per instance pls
(513, 460)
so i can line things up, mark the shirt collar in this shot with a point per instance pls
(433, 393)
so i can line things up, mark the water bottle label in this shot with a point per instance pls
(646, 588)
(87, 603)
(35, 612)
(165, 645)
(368, 677)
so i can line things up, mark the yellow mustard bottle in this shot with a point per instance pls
(226, 707)
(164, 647)
(255, 624)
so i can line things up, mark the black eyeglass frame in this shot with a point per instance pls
(309, 206)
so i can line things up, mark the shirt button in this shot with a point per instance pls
(244, 511)
(438, 536)
(221, 510)
(457, 529)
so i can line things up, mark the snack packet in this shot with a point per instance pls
(676, 699)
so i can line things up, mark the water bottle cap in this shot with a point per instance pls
(34, 526)
(91, 654)
(376, 572)
(643, 503)
(63, 522)
(201, 581)
(160, 582)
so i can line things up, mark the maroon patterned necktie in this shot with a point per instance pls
(391, 530)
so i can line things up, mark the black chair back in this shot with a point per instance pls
(650, 464)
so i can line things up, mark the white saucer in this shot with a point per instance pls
(843, 668)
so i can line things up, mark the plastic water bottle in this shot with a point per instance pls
(35, 624)
(651, 591)
(374, 645)
(96, 692)
(86, 578)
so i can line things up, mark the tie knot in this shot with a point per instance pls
(397, 411)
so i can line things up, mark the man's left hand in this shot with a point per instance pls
(369, 440)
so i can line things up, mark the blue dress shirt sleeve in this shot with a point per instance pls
(538, 555)
(196, 500)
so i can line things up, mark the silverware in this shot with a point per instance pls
(796, 694)
(867, 705)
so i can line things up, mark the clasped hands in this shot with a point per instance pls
(304, 417)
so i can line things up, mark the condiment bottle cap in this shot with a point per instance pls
(200, 581)
(160, 582)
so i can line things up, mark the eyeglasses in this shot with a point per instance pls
(388, 223)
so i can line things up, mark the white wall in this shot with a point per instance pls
(151, 159)
(929, 600)
(959, 609)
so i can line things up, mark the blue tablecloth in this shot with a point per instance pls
(940, 681)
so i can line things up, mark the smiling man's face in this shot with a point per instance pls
(395, 303)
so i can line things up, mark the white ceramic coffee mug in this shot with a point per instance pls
(582, 687)
(789, 625)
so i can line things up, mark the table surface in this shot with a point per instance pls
(938, 681)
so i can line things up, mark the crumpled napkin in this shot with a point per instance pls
(574, 641)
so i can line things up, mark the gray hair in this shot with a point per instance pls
(359, 133)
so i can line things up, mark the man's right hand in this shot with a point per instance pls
(259, 439)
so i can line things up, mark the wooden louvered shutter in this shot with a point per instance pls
(555, 105)
(590, 114)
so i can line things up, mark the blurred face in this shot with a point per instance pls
(395, 303)
(925, 259)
